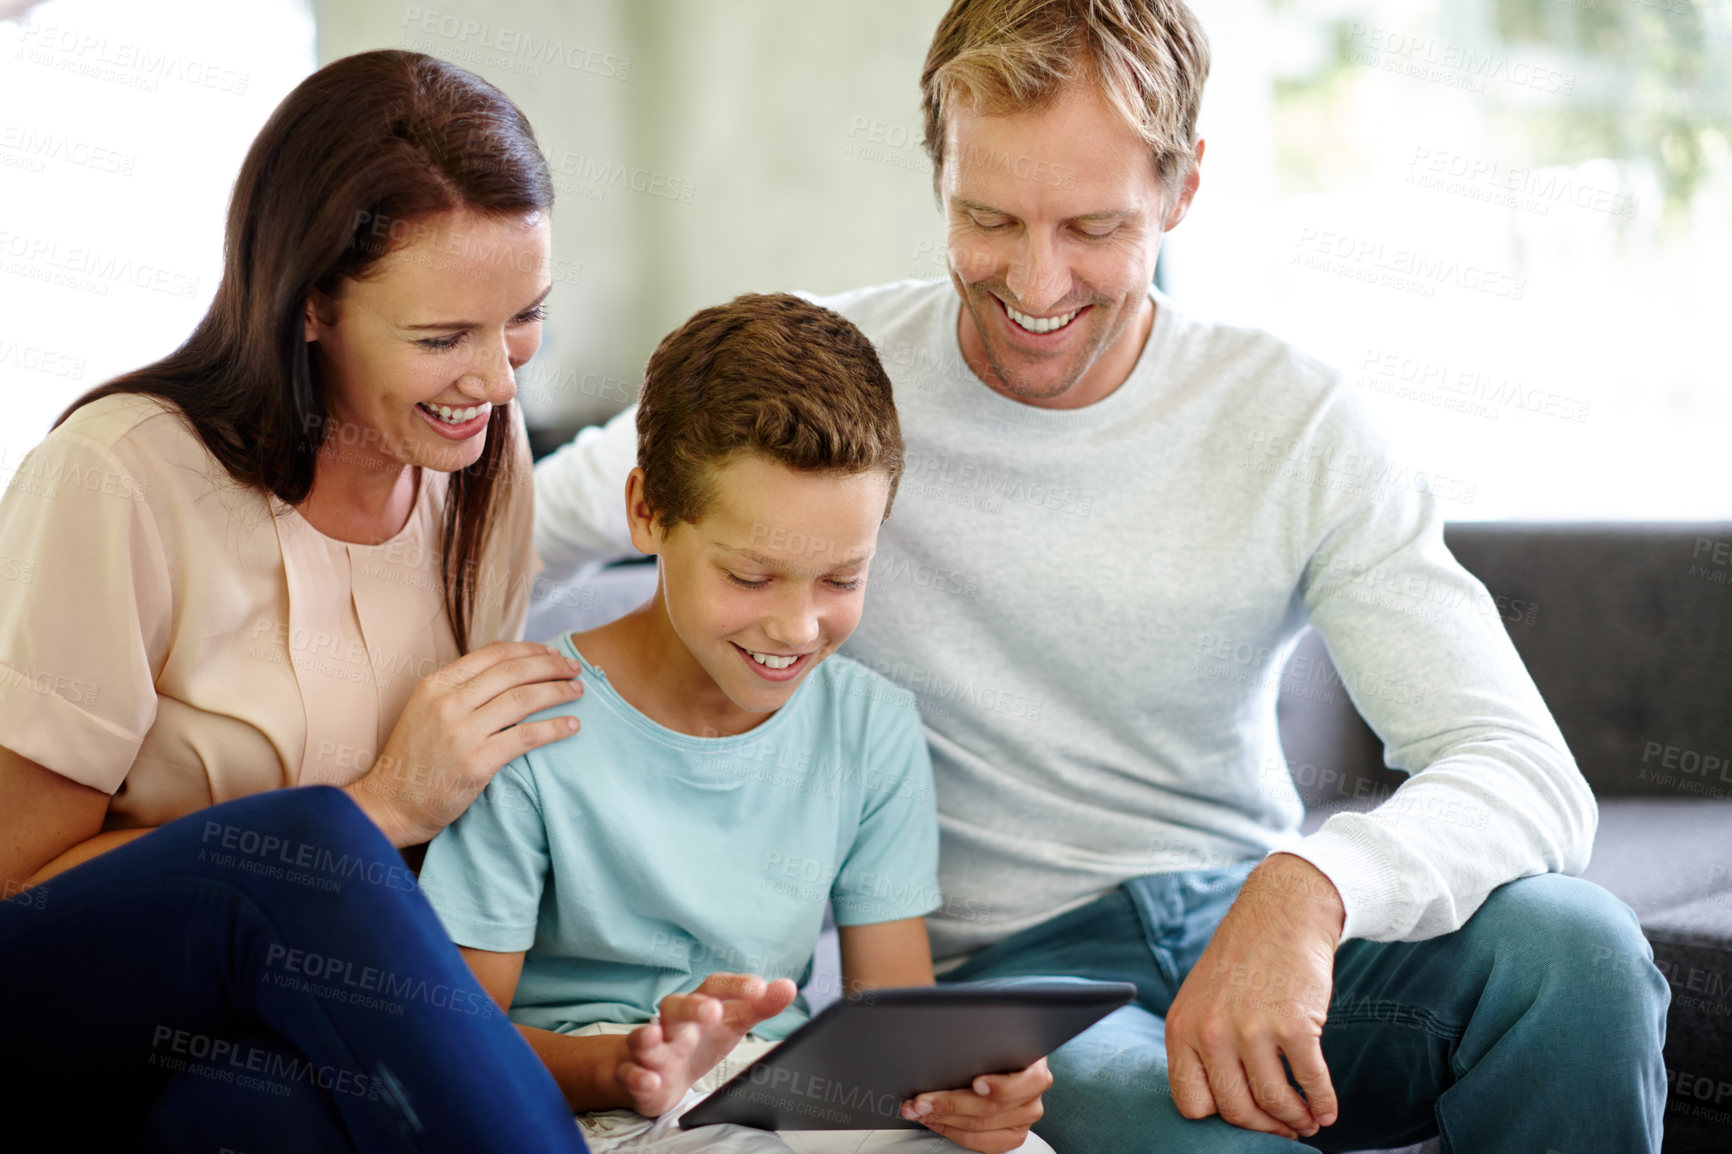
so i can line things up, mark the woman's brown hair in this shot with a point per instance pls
(386, 136)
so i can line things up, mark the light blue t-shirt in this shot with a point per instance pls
(632, 861)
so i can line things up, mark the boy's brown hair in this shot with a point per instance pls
(764, 373)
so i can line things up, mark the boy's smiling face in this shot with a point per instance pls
(771, 579)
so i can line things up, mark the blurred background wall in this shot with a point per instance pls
(1506, 220)
(700, 150)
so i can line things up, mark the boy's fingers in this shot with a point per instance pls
(748, 1009)
(639, 1080)
(646, 1044)
(988, 1141)
(990, 1094)
(1017, 1086)
(689, 1011)
(780, 992)
(720, 985)
(1025, 1115)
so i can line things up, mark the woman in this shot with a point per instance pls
(286, 555)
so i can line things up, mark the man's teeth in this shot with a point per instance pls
(771, 660)
(455, 416)
(1040, 324)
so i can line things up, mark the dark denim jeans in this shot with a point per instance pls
(262, 975)
(1534, 1029)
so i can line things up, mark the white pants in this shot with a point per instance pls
(609, 1130)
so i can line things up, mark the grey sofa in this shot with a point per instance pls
(1627, 630)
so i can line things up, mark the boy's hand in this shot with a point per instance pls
(693, 1033)
(993, 1116)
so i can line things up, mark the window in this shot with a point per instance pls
(122, 126)
(1508, 223)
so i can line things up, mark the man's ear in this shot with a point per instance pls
(646, 532)
(1187, 190)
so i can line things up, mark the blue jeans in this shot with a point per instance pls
(261, 975)
(1536, 1027)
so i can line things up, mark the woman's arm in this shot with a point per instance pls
(51, 823)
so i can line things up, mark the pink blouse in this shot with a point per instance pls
(177, 639)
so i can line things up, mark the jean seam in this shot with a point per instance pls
(1443, 1139)
(1408, 1016)
(1153, 941)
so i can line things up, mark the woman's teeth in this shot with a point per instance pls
(455, 416)
(771, 660)
(1040, 324)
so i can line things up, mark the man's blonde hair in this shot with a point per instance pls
(1148, 57)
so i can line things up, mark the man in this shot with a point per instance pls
(1116, 520)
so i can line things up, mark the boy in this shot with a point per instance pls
(728, 780)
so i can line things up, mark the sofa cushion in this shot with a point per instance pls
(1662, 854)
(1627, 630)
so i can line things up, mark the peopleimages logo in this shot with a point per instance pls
(782, 1081)
(343, 980)
(135, 65)
(1398, 266)
(88, 269)
(269, 855)
(1527, 189)
(500, 46)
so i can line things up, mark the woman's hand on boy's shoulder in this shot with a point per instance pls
(459, 727)
(992, 1116)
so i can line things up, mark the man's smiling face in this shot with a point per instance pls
(1054, 268)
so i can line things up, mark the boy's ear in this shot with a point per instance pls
(646, 533)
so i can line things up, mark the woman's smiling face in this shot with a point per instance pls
(415, 355)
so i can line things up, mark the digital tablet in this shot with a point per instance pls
(851, 1067)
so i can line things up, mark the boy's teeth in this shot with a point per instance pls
(771, 660)
(1040, 324)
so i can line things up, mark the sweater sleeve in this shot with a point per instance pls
(580, 498)
(1494, 793)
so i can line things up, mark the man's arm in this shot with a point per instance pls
(580, 498)
(1494, 793)
(1494, 796)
